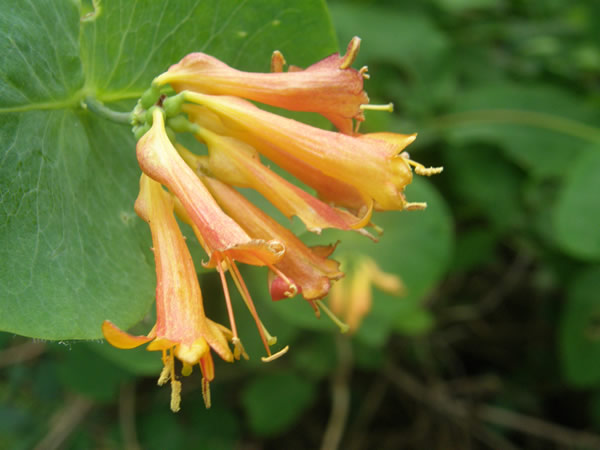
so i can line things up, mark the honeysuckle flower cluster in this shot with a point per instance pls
(352, 175)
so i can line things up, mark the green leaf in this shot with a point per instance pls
(274, 402)
(486, 181)
(580, 330)
(132, 42)
(541, 128)
(407, 38)
(72, 252)
(577, 212)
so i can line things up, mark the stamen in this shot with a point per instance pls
(228, 303)
(274, 356)
(277, 62)
(175, 395)
(316, 308)
(206, 392)
(389, 107)
(165, 373)
(238, 349)
(351, 53)
(420, 169)
(415, 206)
(239, 282)
(365, 233)
(363, 71)
(272, 340)
(341, 325)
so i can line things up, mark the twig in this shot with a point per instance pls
(537, 427)
(340, 395)
(515, 421)
(64, 421)
(127, 416)
(373, 399)
(21, 353)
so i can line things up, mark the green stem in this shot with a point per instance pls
(518, 117)
(97, 107)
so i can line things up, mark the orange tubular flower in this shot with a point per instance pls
(329, 87)
(301, 269)
(182, 329)
(351, 298)
(373, 166)
(328, 189)
(222, 238)
(238, 164)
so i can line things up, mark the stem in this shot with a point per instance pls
(340, 395)
(97, 107)
(518, 117)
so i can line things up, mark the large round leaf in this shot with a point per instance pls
(72, 253)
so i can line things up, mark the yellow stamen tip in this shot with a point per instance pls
(175, 395)
(164, 375)
(274, 356)
(277, 62)
(415, 206)
(206, 392)
(389, 107)
(293, 290)
(428, 171)
(351, 53)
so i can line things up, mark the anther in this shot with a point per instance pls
(277, 62)
(274, 356)
(389, 107)
(415, 206)
(351, 53)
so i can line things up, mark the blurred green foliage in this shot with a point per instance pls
(502, 269)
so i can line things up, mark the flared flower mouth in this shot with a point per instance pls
(301, 269)
(353, 160)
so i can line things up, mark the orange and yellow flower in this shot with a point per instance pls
(329, 87)
(373, 166)
(351, 299)
(352, 175)
(182, 330)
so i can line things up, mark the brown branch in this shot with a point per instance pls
(127, 416)
(64, 421)
(439, 400)
(340, 395)
(21, 353)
